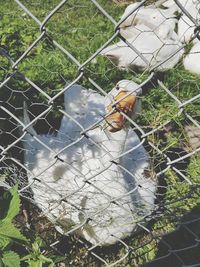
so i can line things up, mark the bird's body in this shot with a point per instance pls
(151, 16)
(82, 184)
(150, 31)
(150, 45)
(185, 25)
(173, 6)
(192, 59)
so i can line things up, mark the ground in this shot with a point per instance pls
(81, 28)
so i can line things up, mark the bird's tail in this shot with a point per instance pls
(26, 120)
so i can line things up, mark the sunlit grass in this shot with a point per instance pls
(80, 28)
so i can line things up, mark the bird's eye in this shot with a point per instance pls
(117, 87)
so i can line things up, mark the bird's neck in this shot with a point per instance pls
(115, 143)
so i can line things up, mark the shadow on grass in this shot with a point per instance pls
(180, 247)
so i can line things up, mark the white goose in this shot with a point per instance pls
(90, 189)
(151, 31)
(150, 45)
(185, 25)
(191, 61)
(173, 6)
(160, 21)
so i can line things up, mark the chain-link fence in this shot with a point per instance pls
(133, 194)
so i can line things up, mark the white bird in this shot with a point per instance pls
(170, 4)
(185, 25)
(153, 48)
(155, 18)
(79, 181)
(173, 6)
(192, 59)
(150, 30)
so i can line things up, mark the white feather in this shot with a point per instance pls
(150, 45)
(191, 61)
(150, 30)
(152, 17)
(185, 25)
(101, 201)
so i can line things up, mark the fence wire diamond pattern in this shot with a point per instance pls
(42, 139)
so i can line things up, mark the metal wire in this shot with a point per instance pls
(159, 239)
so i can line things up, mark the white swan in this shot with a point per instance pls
(150, 45)
(191, 61)
(88, 188)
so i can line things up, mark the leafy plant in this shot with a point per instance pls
(9, 235)
(82, 29)
(35, 258)
(9, 208)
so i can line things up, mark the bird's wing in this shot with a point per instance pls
(82, 109)
(37, 147)
(138, 173)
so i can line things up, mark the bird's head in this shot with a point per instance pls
(122, 99)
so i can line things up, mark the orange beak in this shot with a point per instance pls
(116, 120)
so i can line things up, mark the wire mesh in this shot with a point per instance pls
(57, 51)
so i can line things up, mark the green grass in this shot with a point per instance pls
(81, 29)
